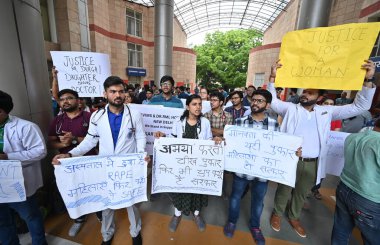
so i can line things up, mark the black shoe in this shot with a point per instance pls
(109, 242)
(137, 240)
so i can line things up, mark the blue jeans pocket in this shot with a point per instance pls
(367, 213)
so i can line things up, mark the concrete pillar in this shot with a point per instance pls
(163, 39)
(23, 66)
(314, 13)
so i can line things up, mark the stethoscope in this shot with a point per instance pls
(95, 119)
(199, 127)
(58, 126)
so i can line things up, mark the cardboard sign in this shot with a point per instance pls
(84, 72)
(326, 57)
(94, 183)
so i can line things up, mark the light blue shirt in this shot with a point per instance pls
(172, 102)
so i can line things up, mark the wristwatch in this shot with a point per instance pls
(372, 79)
(74, 141)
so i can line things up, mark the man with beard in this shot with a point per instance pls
(237, 109)
(166, 98)
(67, 130)
(258, 119)
(119, 130)
(312, 122)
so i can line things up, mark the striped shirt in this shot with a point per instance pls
(269, 123)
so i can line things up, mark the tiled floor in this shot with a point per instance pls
(317, 220)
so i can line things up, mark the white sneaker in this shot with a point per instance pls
(75, 229)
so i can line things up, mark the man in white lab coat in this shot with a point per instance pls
(21, 140)
(312, 122)
(119, 130)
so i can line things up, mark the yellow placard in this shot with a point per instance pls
(326, 57)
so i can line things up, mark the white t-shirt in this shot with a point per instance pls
(307, 129)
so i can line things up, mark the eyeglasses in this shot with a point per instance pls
(214, 100)
(235, 98)
(258, 101)
(166, 84)
(67, 98)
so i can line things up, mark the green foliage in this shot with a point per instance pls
(223, 58)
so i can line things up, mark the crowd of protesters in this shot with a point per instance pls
(309, 113)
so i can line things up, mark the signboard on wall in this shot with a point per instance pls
(136, 72)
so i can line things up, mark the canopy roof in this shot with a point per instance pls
(198, 16)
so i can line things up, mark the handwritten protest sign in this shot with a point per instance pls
(12, 187)
(326, 57)
(94, 183)
(84, 72)
(187, 166)
(335, 152)
(157, 118)
(206, 106)
(262, 153)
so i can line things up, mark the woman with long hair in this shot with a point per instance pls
(191, 125)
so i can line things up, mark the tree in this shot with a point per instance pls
(223, 58)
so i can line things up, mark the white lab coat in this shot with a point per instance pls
(324, 115)
(100, 131)
(128, 142)
(204, 130)
(23, 141)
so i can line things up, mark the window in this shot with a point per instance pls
(135, 55)
(48, 20)
(83, 23)
(259, 79)
(134, 22)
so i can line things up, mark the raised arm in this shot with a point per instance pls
(54, 85)
(279, 106)
(363, 98)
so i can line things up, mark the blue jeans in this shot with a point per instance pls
(28, 211)
(354, 210)
(258, 191)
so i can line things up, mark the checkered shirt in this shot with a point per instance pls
(269, 123)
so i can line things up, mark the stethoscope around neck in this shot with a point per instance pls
(95, 119)
(61, 118)
(199, 126)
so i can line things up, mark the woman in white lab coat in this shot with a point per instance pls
(192, 125)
